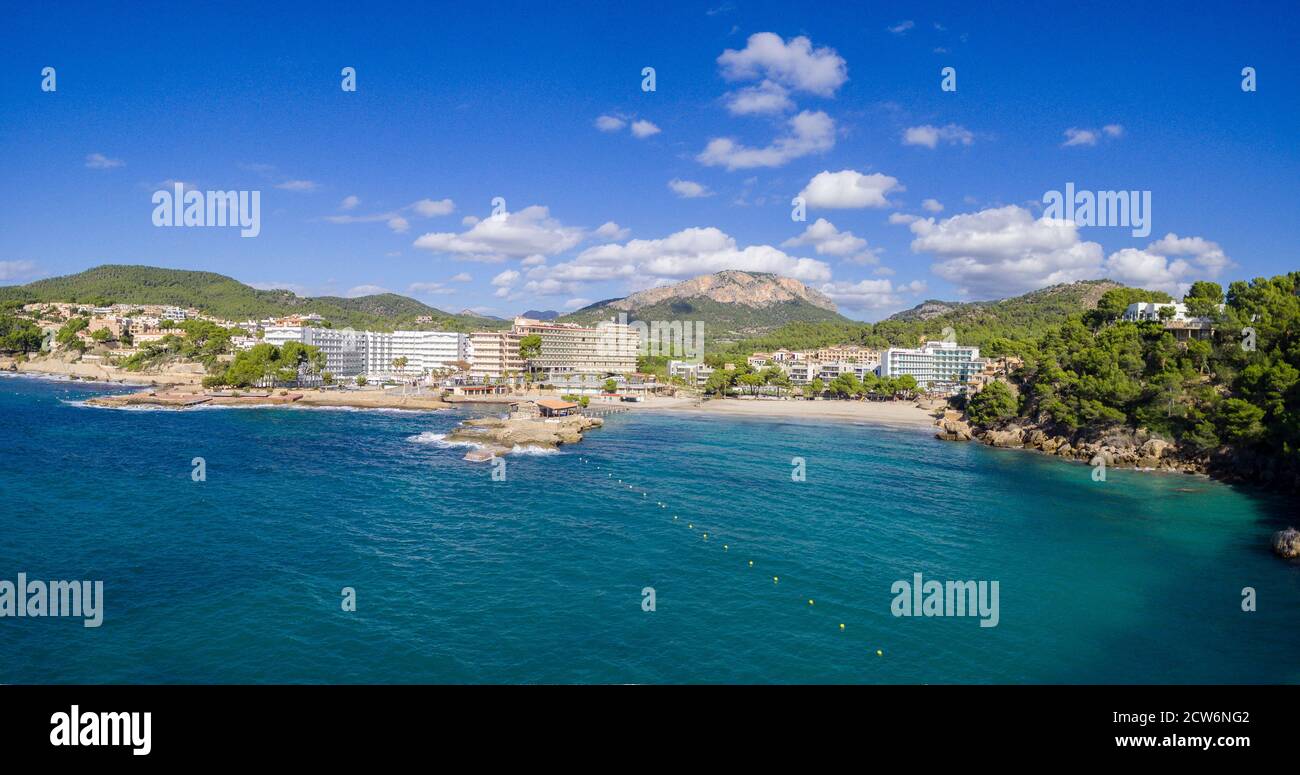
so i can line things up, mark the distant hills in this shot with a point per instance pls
(225, 297)
(997, 326)
(732, 304)
(740, 310)
(1018, 316)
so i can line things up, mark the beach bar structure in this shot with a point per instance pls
(554, 408)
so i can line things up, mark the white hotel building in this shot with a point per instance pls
(935, 365)
(349, 352)
(424, 351)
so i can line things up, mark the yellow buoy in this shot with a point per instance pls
(751, 563)
(841, 626)
(706, 536)
(724, 547)
(775, 579)
(810, 602)
(879, 653)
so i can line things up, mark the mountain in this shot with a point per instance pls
(732, 305)
(541, 314)
(1055, 302)
(225, 297)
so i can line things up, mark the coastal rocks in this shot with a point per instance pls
(952, 428)
(500, 436)
(1012, 437)
(1287, 543)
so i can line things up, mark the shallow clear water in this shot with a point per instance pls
(539, 578)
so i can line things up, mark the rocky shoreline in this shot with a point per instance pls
(495, 436)
(1123, 448)
(1127, 448)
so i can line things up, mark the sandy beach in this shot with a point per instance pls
(901, 413)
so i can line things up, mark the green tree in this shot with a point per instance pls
(994, 404)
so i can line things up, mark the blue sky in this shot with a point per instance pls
(755, 104)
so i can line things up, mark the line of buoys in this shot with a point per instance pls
(726, 547)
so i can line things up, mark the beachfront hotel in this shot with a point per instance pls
(349, 352)
(344, 349)
(934, 365)
(424, 351)
(609, 348)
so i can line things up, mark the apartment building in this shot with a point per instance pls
(494, 354)
(690, 372)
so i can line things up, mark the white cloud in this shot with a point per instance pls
(511, 235)
(469, 220)
(365, 290)
(902, 27)
(686, 253)
(810, 132)
(932, 206)
(826, 240)
(349, 203)
(16, 270)
(508, 277)
(611, 232)
(429, 208)
(903, 218)
(98, 161)
(461, 277)
(849, 189)
(1075, 136)
(689, 189)
(298, 185)
(870, 294)
(1003, 251)
(610, 123)
(533, 260)
(795, 65)
(930, 136)
(1169, 264)
(642, 129)
(766, 97)
(430, 289)
(576, 303)
(395, 220)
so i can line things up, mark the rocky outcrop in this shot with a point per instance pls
(953, 428)
(1287, 543)
(499, 436)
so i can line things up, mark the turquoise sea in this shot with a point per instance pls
(539, 578)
